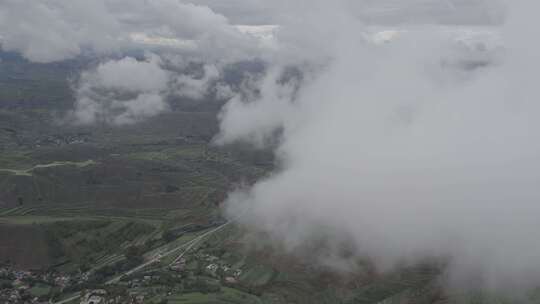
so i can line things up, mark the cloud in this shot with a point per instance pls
(127, 90)
(53, 30)
(143, 106)
(196, 87)
(403, 129)
(116, 91)
(256, 114)
(121, 92)
(405, 157)
(127, 75)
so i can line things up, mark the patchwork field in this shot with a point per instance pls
(134, 211)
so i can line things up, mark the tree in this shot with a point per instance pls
(133, 252)
(168, 236)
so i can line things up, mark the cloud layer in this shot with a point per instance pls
(52, 30)
(406, 150)
(405, 131)
(125, 91)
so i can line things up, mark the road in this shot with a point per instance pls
(187, 246)
(195, 240)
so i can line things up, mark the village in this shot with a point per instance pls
(25, 286)
(199, 272)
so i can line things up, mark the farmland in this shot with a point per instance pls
(134, 212)
(85, 199)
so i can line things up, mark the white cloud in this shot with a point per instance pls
(143, 106)
(53, 30)
(121, 92)
(128, 74)
(405, 142)
(248, 118)
(196, 87)
(391, 150)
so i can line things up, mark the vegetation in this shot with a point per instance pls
(94, 202)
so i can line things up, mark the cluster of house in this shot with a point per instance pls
(100, 296)
(52, 278)
(178, 265)
(213, 266)
(16, 297)
(97, 296)
(15, 287)
(62, 139)
(143, 281)
(228, 274)
(17, 283)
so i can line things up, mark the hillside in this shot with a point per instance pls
(133, 212)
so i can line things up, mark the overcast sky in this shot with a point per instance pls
(375, 11)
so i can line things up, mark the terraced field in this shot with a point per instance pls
(226, 295)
